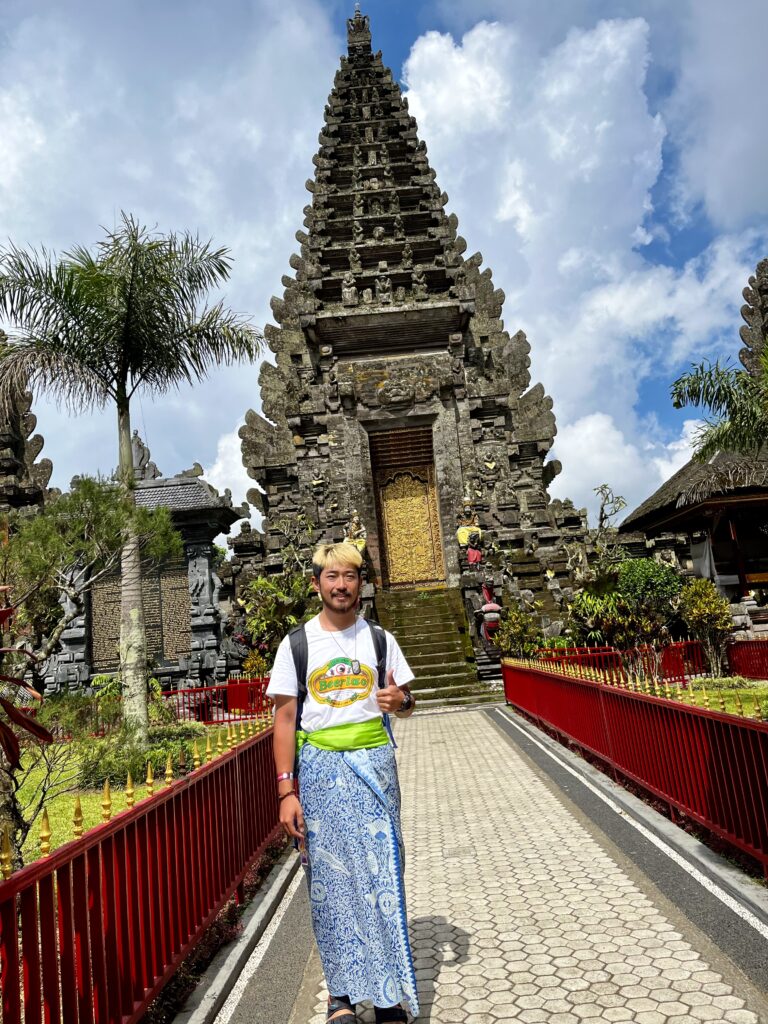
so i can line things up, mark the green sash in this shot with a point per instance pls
(352, 736)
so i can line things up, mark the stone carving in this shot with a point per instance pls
(383, 284)
(355, 532)
(399, 228)
(354, 260)
(143, 467)
(358, 235)
(419, 284)
(407, 258)
(755, 314)
(349, 295)
(379, 233)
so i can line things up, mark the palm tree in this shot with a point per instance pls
(95, 328)
(737, 401)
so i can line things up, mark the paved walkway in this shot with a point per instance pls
(518, 913)
(521, 910)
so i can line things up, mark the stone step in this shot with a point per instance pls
(444, 681)
(417, 645)
(419, 660)
(446, 694)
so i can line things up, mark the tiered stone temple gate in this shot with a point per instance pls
(397, 394)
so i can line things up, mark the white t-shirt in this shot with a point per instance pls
(338, 690)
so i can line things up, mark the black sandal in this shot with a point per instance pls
(336, 1003)
(390, 1015)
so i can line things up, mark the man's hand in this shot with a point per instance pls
(390, 697)
(291, 817)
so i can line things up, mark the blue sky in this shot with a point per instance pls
(605, 157)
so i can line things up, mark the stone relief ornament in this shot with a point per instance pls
(355, 532)
(379, 233)
(383, 284)
(399, 228)
(354, 260)
(407, 259)
(357, 232)
(419, 283)
(349, 294)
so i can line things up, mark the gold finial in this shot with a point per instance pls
(243, 733)
(168, 771)
(6, 854)
(231, 739)
(208, 748)
(219, 745)
(106, 802)
(721, 701)
(758, 710)
(195, 755)
(130, 792)
(705, 696)
(150, 779)
(251, 727)
(77, 819)
(667, 691)
(45, 835)
(739, 704)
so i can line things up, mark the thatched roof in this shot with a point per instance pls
(725, 474)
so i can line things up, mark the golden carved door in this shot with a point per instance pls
(411, 526)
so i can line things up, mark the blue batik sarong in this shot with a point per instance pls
(354, 847)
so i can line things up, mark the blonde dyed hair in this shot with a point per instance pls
(343, 554)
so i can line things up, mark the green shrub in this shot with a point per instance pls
(519, 635)
(119, 753)
(707, 615)
(648, 584)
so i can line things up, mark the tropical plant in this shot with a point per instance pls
(519, 634)
(737, 401)
(273, 605)
(707, 615)
(97, 327)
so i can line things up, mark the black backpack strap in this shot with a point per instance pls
(300, 651)
(379, 638)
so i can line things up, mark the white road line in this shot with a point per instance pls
(230, 1005)
(712, 887)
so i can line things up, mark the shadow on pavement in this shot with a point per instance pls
(436, 938)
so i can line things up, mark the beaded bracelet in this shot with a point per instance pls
(289, 793)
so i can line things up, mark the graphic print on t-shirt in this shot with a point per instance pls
(338, 686)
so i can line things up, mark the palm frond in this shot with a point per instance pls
(25, 364)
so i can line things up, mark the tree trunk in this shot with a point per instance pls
(133, 641)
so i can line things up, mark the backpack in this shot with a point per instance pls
(300, 652)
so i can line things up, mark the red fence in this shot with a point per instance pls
(712, 767)
(748, 658)
(92, 933)
(230, 702)
(675, 663)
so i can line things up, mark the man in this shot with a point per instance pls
(346, 816)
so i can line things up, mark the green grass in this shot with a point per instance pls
(744, 697)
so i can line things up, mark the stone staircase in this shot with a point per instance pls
(431, 628)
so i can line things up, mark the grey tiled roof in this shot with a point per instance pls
(180, 494)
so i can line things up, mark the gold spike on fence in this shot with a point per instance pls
(45, 835)
(106, 802)
(6, 854)
(168, 771)
(77, 819)
(230, 736)
(195, 755)
(182, 761)
(150, 779)
(758, 710)
(219, 747)
(705, 696)
(667, 691)
(251, 727)
(208, 748)
(130, 792)
(739, 704)
(243, 733)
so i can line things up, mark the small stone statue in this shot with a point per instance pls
(374, 207)
(354, 260)
(383, 285)
(357, 156)
(349, 295)
(474, 548)
(394, 203)
(367, 296)
(357, 206)
(379, 233)
(399, 228)
(407, 257)
(373, 158)
(419, 284)
(357, 232)
(355, 533)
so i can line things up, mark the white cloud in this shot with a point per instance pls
(594, 450)
(199, 123)
(717, 111)
(227, 470)
(560, 200)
